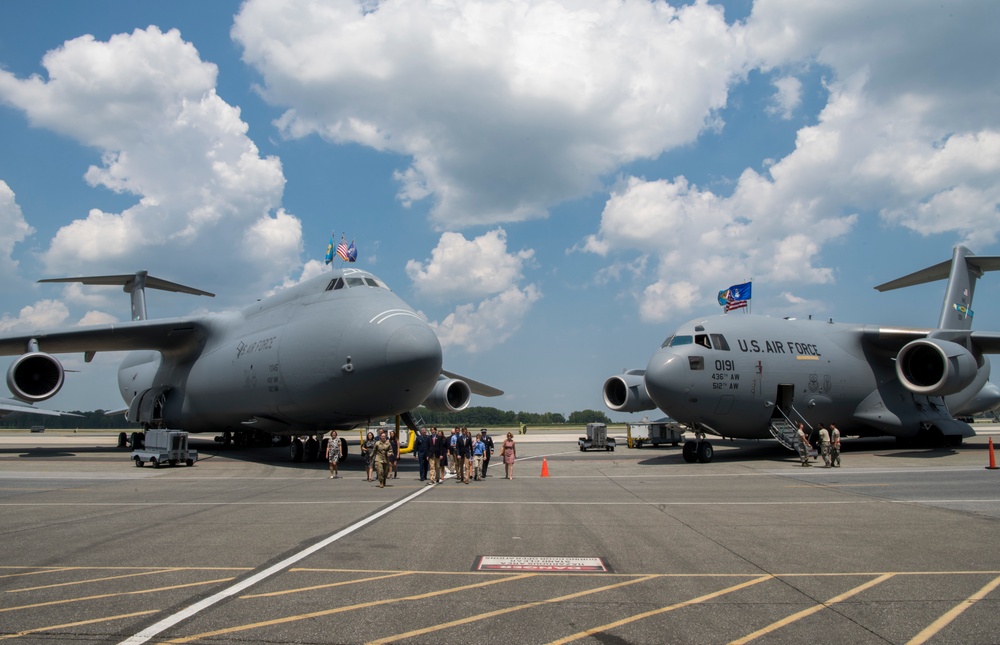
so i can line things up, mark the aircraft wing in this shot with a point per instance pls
(987, 341)
(477, 388)
(164, 334)
(9, 406)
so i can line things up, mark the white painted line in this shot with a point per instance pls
(188, 612)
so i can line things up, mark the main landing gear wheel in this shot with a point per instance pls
(705, 452)
(296, 450)
(690, 451)
(311, 450)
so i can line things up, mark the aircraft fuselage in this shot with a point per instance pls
(310, 358)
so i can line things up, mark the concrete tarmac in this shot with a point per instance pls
(630, 546)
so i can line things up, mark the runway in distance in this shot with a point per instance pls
(332, 352)
(747, 376)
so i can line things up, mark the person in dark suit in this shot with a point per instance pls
(488, 440)
(420, 448)
(463, 453)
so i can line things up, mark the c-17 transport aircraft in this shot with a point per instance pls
(332, 352)
(755, 377)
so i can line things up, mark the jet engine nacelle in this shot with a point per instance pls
(627, 392)
(935, 367)
(449, 395)
(35, 376)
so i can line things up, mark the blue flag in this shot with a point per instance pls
(352, 252)
(329, 250)
(736, 296)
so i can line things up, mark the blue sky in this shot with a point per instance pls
(556, 186)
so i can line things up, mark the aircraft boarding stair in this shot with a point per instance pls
(784, 431)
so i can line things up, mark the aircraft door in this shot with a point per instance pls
(784, 398)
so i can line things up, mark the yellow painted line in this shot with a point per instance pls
(661, 610)
(113, 595)
(807, 358)
(954, 613)
(84, 582)
(338, 610)
(91, 621)
(507, 610)
(812, 610)
(35, 573)
(160, 568)
(326, 586)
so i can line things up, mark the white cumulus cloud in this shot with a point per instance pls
(147, 102)
(505, 108)
(910, 132)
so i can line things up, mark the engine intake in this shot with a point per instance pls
(627, 393)
(35, 377)
(935, 367)
(449, 395)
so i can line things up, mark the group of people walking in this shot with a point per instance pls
(829, 445)
(463, 454)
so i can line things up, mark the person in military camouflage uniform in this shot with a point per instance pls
(824, 445)
(381, 451)
(834, 446)
(802, 444)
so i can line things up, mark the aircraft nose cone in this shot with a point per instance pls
(415, 349)
(665, 379)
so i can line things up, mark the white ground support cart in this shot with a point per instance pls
(165, 447)
(654, 433)
(597, 437)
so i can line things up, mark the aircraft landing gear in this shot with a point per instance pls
(311, 450)
(701, 451)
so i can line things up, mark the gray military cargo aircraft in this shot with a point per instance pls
(330, 353)
(755, 377)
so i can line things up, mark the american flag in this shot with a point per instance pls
(736, 296)
(342, 250)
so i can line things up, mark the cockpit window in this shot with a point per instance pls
(676, 341)
(719, 342)
(355, 282)
(702, 339)
(336, 283)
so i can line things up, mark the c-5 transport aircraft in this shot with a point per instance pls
(754, 377)
(330, 353)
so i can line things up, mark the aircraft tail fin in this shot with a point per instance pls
(135, 284)
(962, 271)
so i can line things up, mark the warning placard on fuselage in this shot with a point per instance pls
(540, 564)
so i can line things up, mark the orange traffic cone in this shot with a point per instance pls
(993, 459)
(545, 467)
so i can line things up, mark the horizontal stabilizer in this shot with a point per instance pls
(128, 281)
(961, 271)
(135, 284)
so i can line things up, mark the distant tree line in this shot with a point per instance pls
(481, 417)
(486, 417)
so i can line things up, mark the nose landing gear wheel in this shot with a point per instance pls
(690, 451)
(705, 452)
